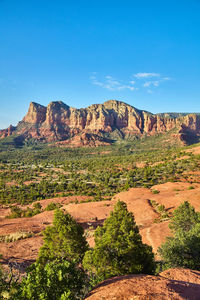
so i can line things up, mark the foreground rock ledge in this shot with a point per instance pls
(146, 287)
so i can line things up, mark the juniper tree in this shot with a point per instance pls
(63, 240)
(118, 247)
(183, 248)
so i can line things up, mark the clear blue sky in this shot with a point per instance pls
(146, 53)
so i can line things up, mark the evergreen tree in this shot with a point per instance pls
(184, 218)
(118, 247)
(182, 250)
(64, 240)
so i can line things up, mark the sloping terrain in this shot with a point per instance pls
(146, 287)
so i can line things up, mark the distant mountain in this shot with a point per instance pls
(100, 124)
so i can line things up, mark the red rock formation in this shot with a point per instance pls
(36, 114)
(146, 287)
(58, 122)
(7, 132)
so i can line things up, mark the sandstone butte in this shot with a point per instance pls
(99, 124)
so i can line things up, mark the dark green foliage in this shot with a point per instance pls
(54, 281)
(118, 247)
(182, 250)
(64, 240)
(184, 218)
(17, 212)
(52, 206)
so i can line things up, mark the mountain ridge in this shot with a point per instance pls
(58, 122)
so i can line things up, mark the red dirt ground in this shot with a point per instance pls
(194, 150)
(145, 287)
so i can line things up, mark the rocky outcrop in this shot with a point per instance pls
(7, 132)
(59, 122)
(147, 287)
(85, 140)
(36, 114)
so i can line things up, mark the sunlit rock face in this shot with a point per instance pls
(59, 122)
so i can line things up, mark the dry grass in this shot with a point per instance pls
(15, 236)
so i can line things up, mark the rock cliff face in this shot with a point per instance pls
(59, 122)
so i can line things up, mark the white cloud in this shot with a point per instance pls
(132, 82)
(146, 75)
(112, 84)
(147, 84)
(149, 81)
(154, 83)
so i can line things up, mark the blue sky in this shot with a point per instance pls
(145, 53)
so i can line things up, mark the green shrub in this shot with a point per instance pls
(16, 212)
(64, 240)
(118, 247)
(54, 281)
(191, 187)
(182, 250)
(155, 191)
(184, 218)
(52, 206)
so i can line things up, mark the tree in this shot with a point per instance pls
(118, 247)
(55, 280)
(184, 218)
(64, 240)
(182, 250)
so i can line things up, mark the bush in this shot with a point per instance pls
(56, 280)
(184, 218)
(64, 240)
(155, 191)
(182, 250)
(118, 247)
(52, 206)
(16, 212)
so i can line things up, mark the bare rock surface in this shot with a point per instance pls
(145, 287)
(96, 124)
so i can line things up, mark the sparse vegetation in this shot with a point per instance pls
(52, 206)
(15, 236)
(17, 212)
(161, 210)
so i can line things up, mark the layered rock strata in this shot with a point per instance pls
(59, 122)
